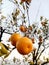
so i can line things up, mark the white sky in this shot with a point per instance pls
(8, 7)
(41, 5)
(43, 10)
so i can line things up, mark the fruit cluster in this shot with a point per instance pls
(24, 45)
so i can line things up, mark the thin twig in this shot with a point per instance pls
(40, 54)
(17, 5)
(38, 50)
(38, 12)
(2, 31)
(27, 8)
(44, 63)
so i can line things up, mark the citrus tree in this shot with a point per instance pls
(23, 34)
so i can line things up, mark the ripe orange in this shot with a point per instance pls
(24, 46)
(23, 29)
(14, 38)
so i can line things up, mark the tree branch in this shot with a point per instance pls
(44, 63)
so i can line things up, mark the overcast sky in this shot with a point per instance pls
(37, 8)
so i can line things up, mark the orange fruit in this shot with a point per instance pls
(23, 29)
(14, 38)
(24, 46)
